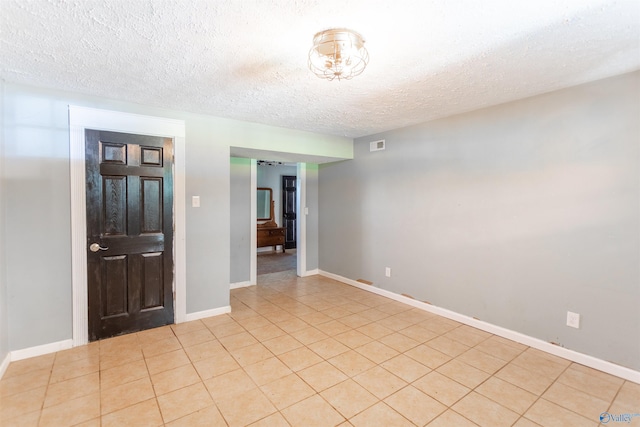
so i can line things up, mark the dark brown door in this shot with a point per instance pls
(289, 210)
(129, 232)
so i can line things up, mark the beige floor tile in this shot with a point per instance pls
(209, 417)
(184, 401)
(21, 403)
(123, 374)
(77, 368)
(354, 320)
(24, 382)
(205, 350)
(333, 328)
(282, 344)
(300, 358)
(530, 381)
(336, 312)
(328, 348)
(77, 353)
(254, 322)
(500, 349)
(353, 338)
(523, 422)
(155, 334)
(267, 332)
(273, 420)
(309, 335)
(465, 374)
(380, 382)
(286, 391)
(440, 325)
(173, 379)
(167, 361)
(484, 412)
(405, 368)
(351, 363)
(399, 342)
(468, 335)
(120, 357)
(595, 383)
(246, 408)
(482, 361)
(349, 398)
(322, 376)
(25, 420)
(441, 388)
(267, 370)
(251, 354)
(226, 329)
(415, 405)
(292, 325)
(375, 331)
(218, 365)
(25, 366)
(229, 384)
(377, 352)
(313, 411)
(316, 318)
(373, 314)
(428, 356)
(451, 418)
(380, 414)
(237, 341)
(196, 337)
(143, 414)
(537, 361)
(447, 346)
(72, 411)
(507, 394)
(186, 327)
(577, 401)
(628, 398)
(162, 346)
(57, 393)
(548, 414)
(418, 333)
(124, 395)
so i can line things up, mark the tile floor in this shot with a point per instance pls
(310, 352)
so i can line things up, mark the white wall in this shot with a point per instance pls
(35, 184)
(513, 214)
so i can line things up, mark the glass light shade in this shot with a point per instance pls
(338, 53)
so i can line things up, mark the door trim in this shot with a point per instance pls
(81, 118)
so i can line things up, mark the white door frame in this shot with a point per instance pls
(81, 118)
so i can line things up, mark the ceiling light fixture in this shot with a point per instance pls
(338, 53)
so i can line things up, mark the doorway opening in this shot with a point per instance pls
(276, 215)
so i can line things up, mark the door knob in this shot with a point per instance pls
(95, 247)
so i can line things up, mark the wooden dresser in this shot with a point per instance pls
(271, 236)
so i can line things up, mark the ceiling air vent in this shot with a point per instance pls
(376, 145)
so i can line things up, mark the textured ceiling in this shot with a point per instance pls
(246, 59)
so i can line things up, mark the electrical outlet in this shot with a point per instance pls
(387, 271)
(573, 319)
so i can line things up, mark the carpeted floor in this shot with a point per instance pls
(274, 262)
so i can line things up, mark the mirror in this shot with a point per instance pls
(263, 204)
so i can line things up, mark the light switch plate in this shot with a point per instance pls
(195, 201)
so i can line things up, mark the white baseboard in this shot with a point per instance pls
(5, 364)
(241, 284)
(40, 350)
(207, 313)
(574, 356)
